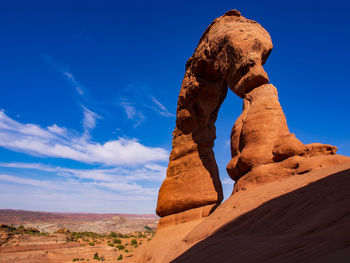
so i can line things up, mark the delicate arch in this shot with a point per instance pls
(228, 54)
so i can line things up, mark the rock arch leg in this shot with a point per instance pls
(192, 177)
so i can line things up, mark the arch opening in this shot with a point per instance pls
(229, 111)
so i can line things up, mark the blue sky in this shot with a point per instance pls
(88, 93)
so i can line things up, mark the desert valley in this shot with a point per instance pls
(27, 236)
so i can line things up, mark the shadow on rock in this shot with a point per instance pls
(311, 224)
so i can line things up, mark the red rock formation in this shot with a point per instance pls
(231, 53)
(262, 148)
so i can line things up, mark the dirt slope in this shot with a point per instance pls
(305, 218)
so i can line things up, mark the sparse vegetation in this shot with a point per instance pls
(120, 247)
(117, 241)
(147, 228)
(21, 230)
(75, 236)
(97, 257)
(113, 234)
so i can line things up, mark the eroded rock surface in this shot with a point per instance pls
(230, 54)
(263, 149)
(268, 163)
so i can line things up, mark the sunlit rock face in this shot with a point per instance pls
(230, 54)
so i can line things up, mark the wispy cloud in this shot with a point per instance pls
(137, 102)
(55, 141)
(228, 181)
(89, 120)
(227, 144)
(58, 130)
(131, 112)
(69, 76)
(148, 172)
(64, 70)
(160, 108)
(27, 181)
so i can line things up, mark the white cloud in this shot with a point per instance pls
(89, 120)
(122, 186)
(57, 130)
(149, 172)
(131, 112)
(228, 181)
(56, 141)
(108, 190)
(34, 166)
(27, 181)
(73, 81)
(64, 70)
(160, 108)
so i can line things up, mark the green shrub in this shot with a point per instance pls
(120, 257)
(113, 234)
(148, 228)
(117, 241)
(134, 242)
(120, 247)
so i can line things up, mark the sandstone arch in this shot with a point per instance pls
(231, 53)
(227, 54)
